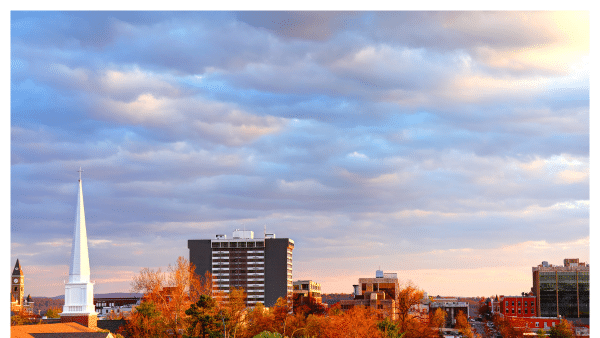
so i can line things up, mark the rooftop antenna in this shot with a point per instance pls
(79, 171)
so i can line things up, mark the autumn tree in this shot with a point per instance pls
(463, 326)
(172, 292)
(407, 298)
(233, 309)
(507, 328)
(564, 329)
(145, 322)
(258, 319)
(358, 322)
(438, 319)
(20, 318)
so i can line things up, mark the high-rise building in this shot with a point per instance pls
(261, 266)
(562, 290)
(79, 291)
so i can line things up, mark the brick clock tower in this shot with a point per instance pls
(17, 285)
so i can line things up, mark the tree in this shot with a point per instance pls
(541, 333)
(53, 312)
(20, 318)
(145, 322)
(389, 329)
(507, 328)
(172, 292)
(205, 319)
(564, 329)
(258, 319)
(463, 326)
(485, 311)
(268, 334)
(407, 297)
(358, 322)
(438, 319)
(233, 310)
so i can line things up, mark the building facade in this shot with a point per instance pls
(562, 290)
(379, 293)
(518, 306)
(261, 266)
(451, 306)
(307, 292)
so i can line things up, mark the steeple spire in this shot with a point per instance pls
(79, 291)
(17, 270)
(80, 262)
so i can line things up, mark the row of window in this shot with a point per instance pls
(252, 244)
(518, 303)
(519, 310)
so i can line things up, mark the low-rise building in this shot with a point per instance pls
(306, 292)
(452, 307)
(518, 306)
(379, 293)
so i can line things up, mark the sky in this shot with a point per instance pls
(450, 147)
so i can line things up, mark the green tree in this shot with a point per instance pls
(541, 333)
(205, 320)
(268, 334)
(53, 312)
(389, 329)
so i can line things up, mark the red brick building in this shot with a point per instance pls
(518, 306)
(535, 323)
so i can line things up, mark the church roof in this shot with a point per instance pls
(71, 330)
(17, 270)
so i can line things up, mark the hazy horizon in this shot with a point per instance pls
(449, 147)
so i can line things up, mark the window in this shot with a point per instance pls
(519, 311)
(525, 310)
(513, 311)
(506, 303)
(513, 303)
(537, 324)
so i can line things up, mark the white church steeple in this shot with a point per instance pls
(80, 261)
(79, 291)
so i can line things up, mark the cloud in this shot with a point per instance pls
(400, 138)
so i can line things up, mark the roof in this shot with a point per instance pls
(67, 330)
(17, 270)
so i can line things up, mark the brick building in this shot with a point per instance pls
(518, 306)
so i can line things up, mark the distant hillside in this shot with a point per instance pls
(42, 304)
(109, 295)
(332, 298)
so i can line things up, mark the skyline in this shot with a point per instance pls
(449, 147)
